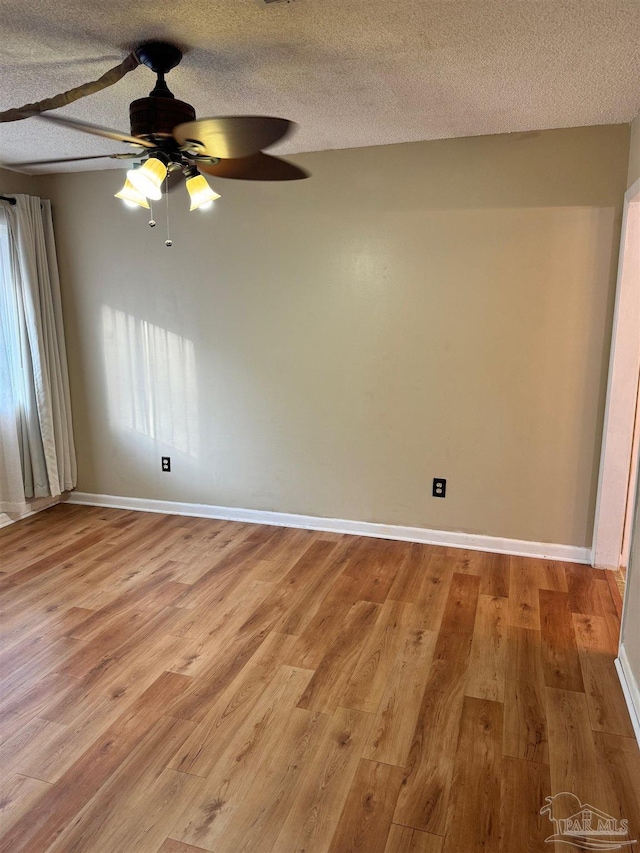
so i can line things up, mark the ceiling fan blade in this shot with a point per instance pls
(127, 156)
(95, 129)
(232, 136)
(258, 167)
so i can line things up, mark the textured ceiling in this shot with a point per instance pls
(349, 72)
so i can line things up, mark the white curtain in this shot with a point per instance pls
(37, 455)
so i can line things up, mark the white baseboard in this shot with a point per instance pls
(630, 689)
(517, 547)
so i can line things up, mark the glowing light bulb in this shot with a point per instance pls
(149, 177)
(200, 193)
(131, 196)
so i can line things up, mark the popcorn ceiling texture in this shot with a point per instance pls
(351, 72)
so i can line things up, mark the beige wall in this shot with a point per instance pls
(12, 182)
(328, 347)
(634, 152)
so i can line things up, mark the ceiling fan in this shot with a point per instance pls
(169, 138)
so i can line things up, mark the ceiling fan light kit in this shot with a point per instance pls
(170, 137)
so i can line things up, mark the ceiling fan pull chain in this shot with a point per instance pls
(152, 222)
(168, 242)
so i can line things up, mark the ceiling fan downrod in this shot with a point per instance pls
(155, 116)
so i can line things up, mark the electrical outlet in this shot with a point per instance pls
(166, 463)
(439, 487)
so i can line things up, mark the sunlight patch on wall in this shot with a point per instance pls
(151, 380)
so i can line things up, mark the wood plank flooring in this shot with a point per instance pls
(175, 685)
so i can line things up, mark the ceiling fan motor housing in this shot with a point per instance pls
(156, 117)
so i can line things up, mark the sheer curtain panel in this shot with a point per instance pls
(37, 456)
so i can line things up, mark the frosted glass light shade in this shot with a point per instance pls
(149, 177)
(130, 195)
(200, 192)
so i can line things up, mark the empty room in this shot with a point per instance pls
(320, 426)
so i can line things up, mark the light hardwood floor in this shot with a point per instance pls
(173, 685)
